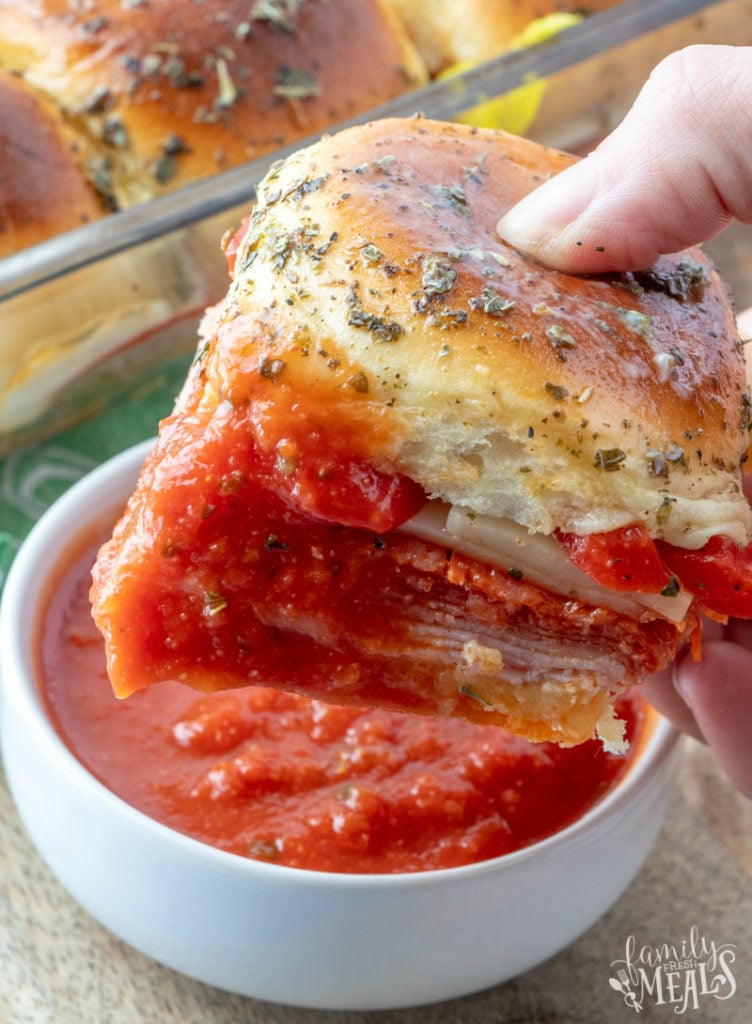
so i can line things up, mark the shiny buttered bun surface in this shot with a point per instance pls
(497, 384)
(42, 189)
(449, 31)
(162, 92)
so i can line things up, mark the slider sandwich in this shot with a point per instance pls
(411, 467)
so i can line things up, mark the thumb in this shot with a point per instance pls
(675, 172)
(718, 691)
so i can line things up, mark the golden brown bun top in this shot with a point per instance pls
(449, 31)
(42, 189)
(371, 286)
(168, 91)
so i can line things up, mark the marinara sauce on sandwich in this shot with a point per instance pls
(413, 468)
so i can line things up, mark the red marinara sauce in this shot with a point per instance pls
(279, 777)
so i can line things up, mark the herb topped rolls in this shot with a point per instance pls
(152, 95)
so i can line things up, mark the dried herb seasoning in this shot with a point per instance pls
(114, 133)
(95, 25)
(686, 281)
(358, 382)
(174, 145)
(609, 459)
(491, 302)
(468, 691)
(371, 254)
(639, 323)
(560, 339)
(273, 543)
(98, 101)
(454, 195)
(665, 509)
(228, 92)
(382, 330)
(165, 168)
(438, 274)
(272, 369)
(296, 84)
(214, 603)
(101, 178)
(280, 14)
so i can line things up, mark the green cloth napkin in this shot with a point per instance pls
(32, 478)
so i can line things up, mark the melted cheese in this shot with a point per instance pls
(538, 557)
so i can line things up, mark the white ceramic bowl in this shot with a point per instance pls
(294, 936)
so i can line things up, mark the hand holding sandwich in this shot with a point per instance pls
(674, 173)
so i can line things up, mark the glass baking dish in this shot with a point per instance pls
(89, 315)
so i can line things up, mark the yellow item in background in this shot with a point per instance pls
(515, 111)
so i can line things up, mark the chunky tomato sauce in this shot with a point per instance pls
(719, 574)
(282, 778)
(227, 571)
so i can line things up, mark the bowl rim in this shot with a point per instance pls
(18, 622)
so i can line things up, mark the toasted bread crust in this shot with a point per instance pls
(496, 383)
(42, 189)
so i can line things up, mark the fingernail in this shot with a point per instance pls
(676, 680)
(550, 209)
(678, 677)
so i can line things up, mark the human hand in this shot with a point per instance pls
(712, 699)
(675, 172)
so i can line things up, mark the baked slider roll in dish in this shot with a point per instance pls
(163, 92)
(411, 467)
(42, 189)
